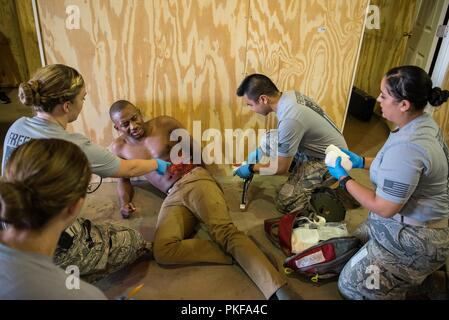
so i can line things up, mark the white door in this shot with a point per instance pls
(422, 43)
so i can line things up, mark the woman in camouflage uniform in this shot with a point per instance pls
(406, 234)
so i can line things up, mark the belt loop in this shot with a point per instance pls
(402, 219)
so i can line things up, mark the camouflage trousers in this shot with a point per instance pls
(307, 175)
(395, 260)
(99, 249)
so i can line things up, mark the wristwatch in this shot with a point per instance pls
(343, 182)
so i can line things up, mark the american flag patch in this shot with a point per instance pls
(395, 189)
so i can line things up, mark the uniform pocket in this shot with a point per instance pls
(412, 240)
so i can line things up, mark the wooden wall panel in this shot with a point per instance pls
(13, 69)
(441, 115)
(186, 58)
(284, 42)
(178, 58)
(27, 29)
(384, 48)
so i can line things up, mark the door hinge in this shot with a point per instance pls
(442, 31)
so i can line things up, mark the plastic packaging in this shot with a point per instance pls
(310, 233)
(332, 153)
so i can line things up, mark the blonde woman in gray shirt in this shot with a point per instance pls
(56, 93)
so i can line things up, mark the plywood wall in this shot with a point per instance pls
(186, 58)
(13, 68)
(19, 52)
(28, 35)
(384, 48)
(311, 46)
(441, 115)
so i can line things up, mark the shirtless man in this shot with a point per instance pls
(193, 196)
(141, 140)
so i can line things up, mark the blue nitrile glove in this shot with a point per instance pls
(357, 161)
(244, 171)
(255, 156)
(162, 166)
(338, 171)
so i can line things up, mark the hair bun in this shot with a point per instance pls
(29, 93)
(25, 188)
(14, 201)
(438, 97)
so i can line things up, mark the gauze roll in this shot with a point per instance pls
(332, 153)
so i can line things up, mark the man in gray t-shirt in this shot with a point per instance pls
(303, 134)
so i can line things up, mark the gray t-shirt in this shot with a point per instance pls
(304, 127)
(102, 161)
(412, 168)
(33, 276)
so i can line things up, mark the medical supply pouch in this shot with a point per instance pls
(324, 260)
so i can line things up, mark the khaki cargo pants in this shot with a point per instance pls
(197, 198)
